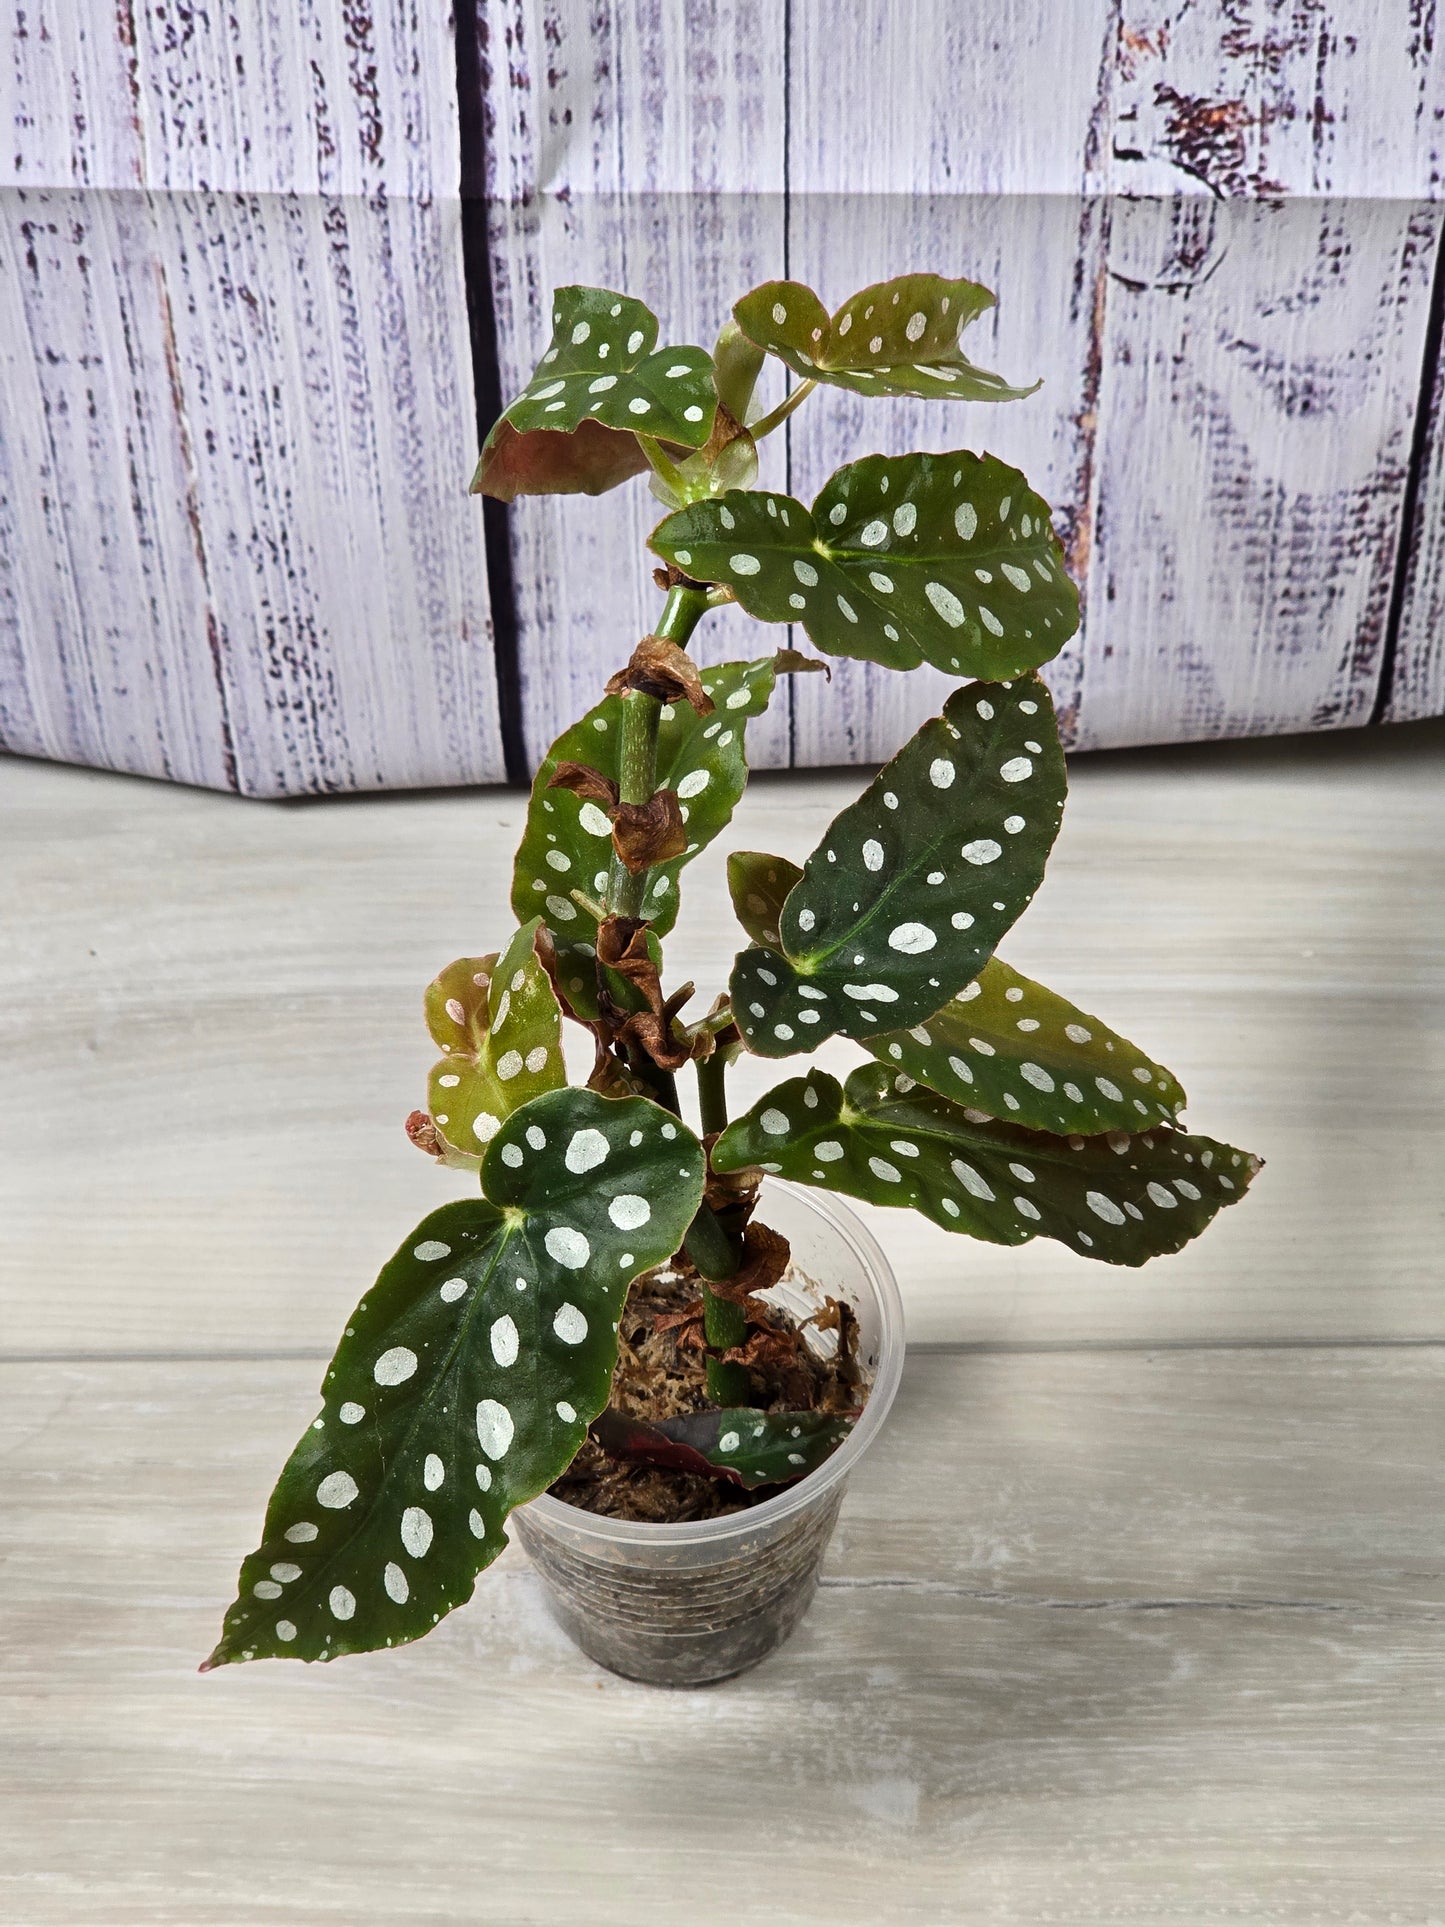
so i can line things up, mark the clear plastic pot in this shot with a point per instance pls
(683, 1605)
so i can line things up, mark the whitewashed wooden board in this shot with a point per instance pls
(210, 1021)
(1417, 680)
(239, 410)
(1212, 247)
(1124, 1639)
(637, 148)
(235, 547)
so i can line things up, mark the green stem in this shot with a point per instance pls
(781, 413)
(712, 1096)
(724, 1322)
(710, 1247)
(641, 717)
(660, 464)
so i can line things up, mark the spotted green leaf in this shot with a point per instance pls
(505, 1046)
(567, 843)
(744, 1446)
(603, 368)
(949, 559)
(456, 1003)
(466, 1380)
(1121, 1198)
(1008, 1046)
(913, 885)
(759, 886)
(899, 337)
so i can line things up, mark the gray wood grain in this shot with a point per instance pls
(1131, 1640)
(210, 1023)
(637, 148)
(1226, 292)
(233, 544)
(234, 540)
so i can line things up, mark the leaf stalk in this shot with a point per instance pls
(780, 414)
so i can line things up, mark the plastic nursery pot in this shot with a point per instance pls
(683, 1605)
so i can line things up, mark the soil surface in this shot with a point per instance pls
(661, 1373)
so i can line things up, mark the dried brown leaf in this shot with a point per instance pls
(659, 668)
(590, 784)
(650, 832)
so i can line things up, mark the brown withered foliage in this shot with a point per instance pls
(642, 833)
(658, 668)
(650, 832)
(792, 662)
(590, 784)
(766, 1256)
(622, 946)
(423, 1133)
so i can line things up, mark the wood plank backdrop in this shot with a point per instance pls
(264, 276)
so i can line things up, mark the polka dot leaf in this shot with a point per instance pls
(505, 1046)
(914, 885)
(466, 1381)
(759, 886)
(1120, 1198)
(567, 842)
(1007, 1046)
(740, 1444)
(947, 559)
(456, 1003)
(899, 337)
(602, 372)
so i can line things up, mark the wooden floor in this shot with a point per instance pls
(1137, 1612)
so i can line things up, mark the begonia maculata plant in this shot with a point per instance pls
(476, 1365)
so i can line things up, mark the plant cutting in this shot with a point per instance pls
(625, 1305)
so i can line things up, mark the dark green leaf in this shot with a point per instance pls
(1118, 1198)
(505, 1047)
(759, 887)
(899, 337)
(466, 1380)
(914, 884)
(949, 559)
(567, 843)
(746, 1447)
(599, 371)
(1007, 1046)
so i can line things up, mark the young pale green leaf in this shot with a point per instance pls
(899, 337)
(949, 559)
(505, 1047)
(600, 371)
(759, 886)
(466, 1380)
(737, 363)
(1120, 1198)
(456, 1003)
(914, 884)
(1008, 1046)
(567, 842)
(744, 1446)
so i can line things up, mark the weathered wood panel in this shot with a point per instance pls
(1130, 1640)
(1228, 302)
(239, 412)
(211, 1025)
(1417, 674)
(1261, 369)
(641, 148)
(235, 545)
